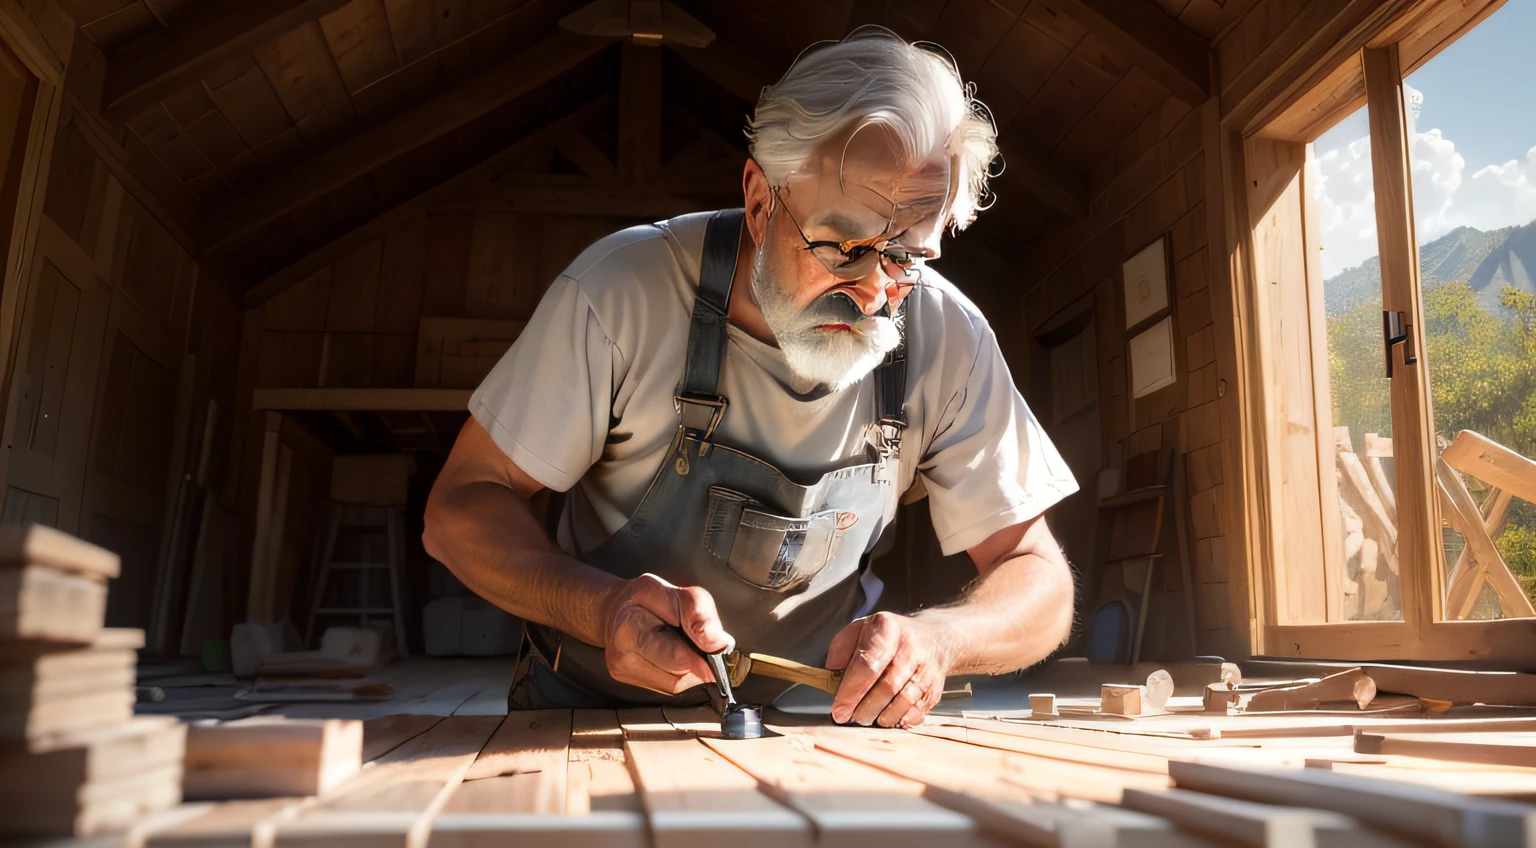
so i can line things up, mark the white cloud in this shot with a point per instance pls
(1445, 196)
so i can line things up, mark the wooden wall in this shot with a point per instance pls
(121, 345)
(354, 322)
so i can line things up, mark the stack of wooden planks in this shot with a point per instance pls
(73, 759)
(665, 777)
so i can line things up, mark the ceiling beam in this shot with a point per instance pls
(157, 65)
(439, 194)
(1174, 56)
(237, 218)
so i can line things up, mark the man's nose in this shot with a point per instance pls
(869, 291)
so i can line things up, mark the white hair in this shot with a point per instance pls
(872, 76)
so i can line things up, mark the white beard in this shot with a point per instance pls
(834, 358)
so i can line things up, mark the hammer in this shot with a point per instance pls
(739, 665)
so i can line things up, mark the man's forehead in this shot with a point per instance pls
(871, 159)
(862, 182)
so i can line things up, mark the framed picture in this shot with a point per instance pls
(1152, 358)
(1146, 282)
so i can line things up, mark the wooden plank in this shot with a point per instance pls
(358, 34)
(847, 803)
(34, 544)
(260, 758)
(386, 733)
(1420, 813)
(1478, 456)
(1486, 749)
(1012, 738)
(693, 796)
(395, 799)
(159, 63)
(41, 603)
(362, 400)
(521, 769)
(237, 218)
(1256, 825)
(1348, 685)
(323, 256)
(1175, 57)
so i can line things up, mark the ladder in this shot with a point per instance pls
(366, 543)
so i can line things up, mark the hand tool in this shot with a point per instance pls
(737, 720)
(827, 680)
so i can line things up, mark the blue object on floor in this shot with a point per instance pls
(1111, 629)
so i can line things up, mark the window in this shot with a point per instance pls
(1391, 288)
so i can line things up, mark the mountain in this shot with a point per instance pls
(1459, 255)
(1512, 263)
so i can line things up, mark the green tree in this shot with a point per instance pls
(1482, 376)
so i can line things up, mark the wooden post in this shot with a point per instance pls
(1418, 530)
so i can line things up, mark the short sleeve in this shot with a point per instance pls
(990, 464)
(547, 402)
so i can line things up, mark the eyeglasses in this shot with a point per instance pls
(854, 260)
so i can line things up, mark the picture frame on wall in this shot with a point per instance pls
(1152, 362)
(1146, 282)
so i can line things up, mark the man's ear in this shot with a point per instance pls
(758, 200)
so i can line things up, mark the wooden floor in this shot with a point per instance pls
(447, 768)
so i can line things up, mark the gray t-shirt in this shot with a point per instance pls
(583, 401)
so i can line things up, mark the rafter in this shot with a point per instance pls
(1047, 180)
(157, 65)
(439, 194)
(1177, 58)
(639, 113)
(238, 217)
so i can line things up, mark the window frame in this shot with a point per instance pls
(1270, 146)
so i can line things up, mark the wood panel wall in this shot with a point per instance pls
(121, 341)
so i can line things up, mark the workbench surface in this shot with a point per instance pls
(665, 777)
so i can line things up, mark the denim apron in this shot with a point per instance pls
(781, 555)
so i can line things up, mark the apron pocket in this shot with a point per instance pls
(771, 551)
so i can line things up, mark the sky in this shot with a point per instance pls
(1473, 146)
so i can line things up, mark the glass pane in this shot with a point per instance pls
(1364, 578)
(1473, 153)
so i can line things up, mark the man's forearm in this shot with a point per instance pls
(1016, 615)
(486, 534)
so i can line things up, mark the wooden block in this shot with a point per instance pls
(1421, 813)
(1043, 705)
(1121, 699)
(34, 544)
(374, 479)
(39, 602)
(102, 781)
(266, 758)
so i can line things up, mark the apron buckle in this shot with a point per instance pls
(701, 413)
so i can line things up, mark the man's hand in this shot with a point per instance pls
(643, 648)
(893, 670)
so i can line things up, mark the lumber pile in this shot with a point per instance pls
(266, 757)
(73, 759)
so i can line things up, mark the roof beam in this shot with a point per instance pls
(157, 65)
(450, 189)
(239, 217)
(1177, 58)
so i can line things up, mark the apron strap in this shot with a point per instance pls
(698, 399)
(891, 394)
